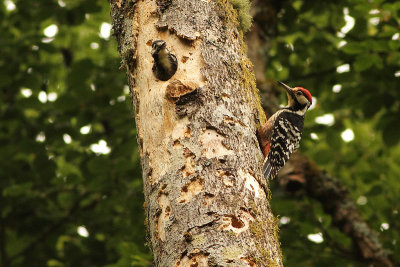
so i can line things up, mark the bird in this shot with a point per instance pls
(165, 63)
(281, 134)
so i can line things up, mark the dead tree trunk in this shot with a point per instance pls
(201, 161)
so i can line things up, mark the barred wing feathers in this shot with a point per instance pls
(285, 138)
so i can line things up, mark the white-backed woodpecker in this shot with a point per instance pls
(281, 134)
(165, 63)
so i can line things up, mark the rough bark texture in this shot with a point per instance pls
(301, 175)
(200, 157)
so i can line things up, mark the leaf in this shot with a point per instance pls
(376, 190)
(368, 109)
(378, 45)
(17, 190)
(390, 132)
(393, 58)
(363, 62)
(394, 44)
(54, 263)
(80, 72)
(353, 48)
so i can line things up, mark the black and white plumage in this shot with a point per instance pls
(281, 134)
(165, 63)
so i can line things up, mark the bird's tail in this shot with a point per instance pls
(269, 170)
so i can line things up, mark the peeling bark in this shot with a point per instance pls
(207, 203)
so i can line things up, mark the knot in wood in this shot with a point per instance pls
(180, 93)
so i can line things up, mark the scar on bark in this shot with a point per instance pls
(229, 120)
(213, 144)
(250, 261)
(227, 177)
(233, 223)
(236, 222)
(251, 182)
(150, 175)
(180, 93)
(188, 237)
(177, 143)
(162, 215)
(232, 121)
(190, 190)
(208, 199)
(184, 59)
(189, 167)
(195, 259)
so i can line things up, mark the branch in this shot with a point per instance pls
(301, 175)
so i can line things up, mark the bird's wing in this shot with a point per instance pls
(174, 62)
(284, 139)
(264, 136)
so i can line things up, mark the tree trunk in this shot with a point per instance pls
(206, 201)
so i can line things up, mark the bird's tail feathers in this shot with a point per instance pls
(267, 168)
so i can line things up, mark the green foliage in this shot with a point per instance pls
(53, 182)
(60, 96)
(307, 51)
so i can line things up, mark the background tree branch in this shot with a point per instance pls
(302, 176)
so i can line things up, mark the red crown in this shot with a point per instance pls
(306, 92)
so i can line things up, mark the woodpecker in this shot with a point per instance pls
(281, 134)
(165, 63)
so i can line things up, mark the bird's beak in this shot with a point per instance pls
(287, 88)
(289, 92)
(157, 47)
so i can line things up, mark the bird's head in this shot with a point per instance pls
(299, 99)
(157, 46)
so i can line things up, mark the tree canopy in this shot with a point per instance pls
(71, 187)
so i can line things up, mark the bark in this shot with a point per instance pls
(301, 175)
(206, 202)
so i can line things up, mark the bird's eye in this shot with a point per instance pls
(299, 93)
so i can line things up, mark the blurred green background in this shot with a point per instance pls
(71, 188)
